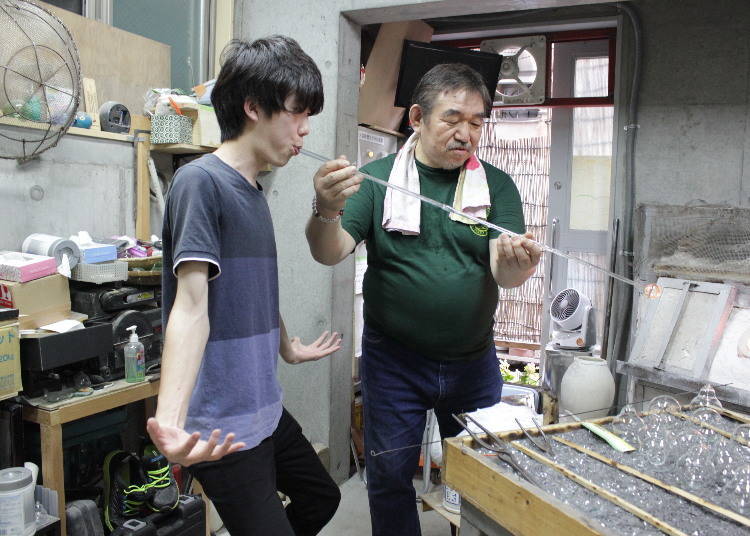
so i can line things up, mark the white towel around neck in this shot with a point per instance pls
(401, 212)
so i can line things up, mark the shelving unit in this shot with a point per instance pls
(87, 132)
(434, 501)
(181, 148)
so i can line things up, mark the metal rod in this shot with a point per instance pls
(448, 208)
(610, 296)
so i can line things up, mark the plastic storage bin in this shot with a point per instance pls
(17, 501)
(104, 272)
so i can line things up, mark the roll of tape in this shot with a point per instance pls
(52, 246)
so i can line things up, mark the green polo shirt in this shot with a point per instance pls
(434, 293)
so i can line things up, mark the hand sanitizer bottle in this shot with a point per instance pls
(135, 359)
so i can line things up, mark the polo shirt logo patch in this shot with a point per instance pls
(479, 230)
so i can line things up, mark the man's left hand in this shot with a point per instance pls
(518, 253)
(324, 346)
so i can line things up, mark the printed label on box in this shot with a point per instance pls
(6, 299)
(372, 138)
(10, 361)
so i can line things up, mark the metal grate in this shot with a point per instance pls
(707, 243)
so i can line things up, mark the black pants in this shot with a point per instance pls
(243, 486)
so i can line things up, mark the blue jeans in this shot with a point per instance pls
(398, 387)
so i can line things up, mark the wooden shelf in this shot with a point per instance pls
(86, 132)
(119, 394)
(181, 148)
(434, 501)
(518, 344)
(51, 418)
(384, 130)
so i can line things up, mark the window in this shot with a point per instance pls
(181, 24)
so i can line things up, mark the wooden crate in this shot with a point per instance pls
(525, 510)
(508, 500)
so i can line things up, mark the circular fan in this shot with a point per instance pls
(40, 79)
(518, 72)
(568, 308)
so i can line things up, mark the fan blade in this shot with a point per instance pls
(520, 51)
(524, 87)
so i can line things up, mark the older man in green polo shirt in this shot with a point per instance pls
(431, 286)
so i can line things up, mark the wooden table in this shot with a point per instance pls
(434, 501)
(50, 423)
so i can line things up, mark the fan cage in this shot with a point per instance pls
(565, 304)
(40, 79)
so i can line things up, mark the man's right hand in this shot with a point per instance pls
(187, 449)
(334, 183)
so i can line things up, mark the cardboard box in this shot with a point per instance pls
(39, 302)
(206, 130)
(10, 355)
(22, 267)
(377, 94)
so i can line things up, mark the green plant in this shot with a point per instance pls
(508, 374)
(530, 374)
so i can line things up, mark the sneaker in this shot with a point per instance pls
(125, 491)
(160, 480)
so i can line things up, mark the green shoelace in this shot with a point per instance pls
(159, 478)
(133, 506)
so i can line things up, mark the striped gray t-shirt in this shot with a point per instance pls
(213, 214)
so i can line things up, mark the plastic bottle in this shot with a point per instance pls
(135, 360)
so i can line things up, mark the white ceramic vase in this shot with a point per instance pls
(587, 388)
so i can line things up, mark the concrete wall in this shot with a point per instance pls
(314, 297)
(694, 141)
(86, 184)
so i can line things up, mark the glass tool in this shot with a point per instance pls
(650, 290)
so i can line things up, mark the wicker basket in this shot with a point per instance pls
(145, 278)
(145, 275)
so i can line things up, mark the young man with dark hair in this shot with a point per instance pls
(431, 286)
(221, 306)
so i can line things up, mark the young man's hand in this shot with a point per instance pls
(334, 183)
(297, 352)
(187, 449)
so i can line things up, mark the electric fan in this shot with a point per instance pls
(573, 316)
(522, 71)
(40, 79)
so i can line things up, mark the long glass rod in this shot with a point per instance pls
(448, 208)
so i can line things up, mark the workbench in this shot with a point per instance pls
(50, 419)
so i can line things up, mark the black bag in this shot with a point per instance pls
(188, 519)
(83, 518)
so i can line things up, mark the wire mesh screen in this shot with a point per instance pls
(521, 149)
(708, 243)
(39, 79)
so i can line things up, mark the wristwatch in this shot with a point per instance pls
(322, 218)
